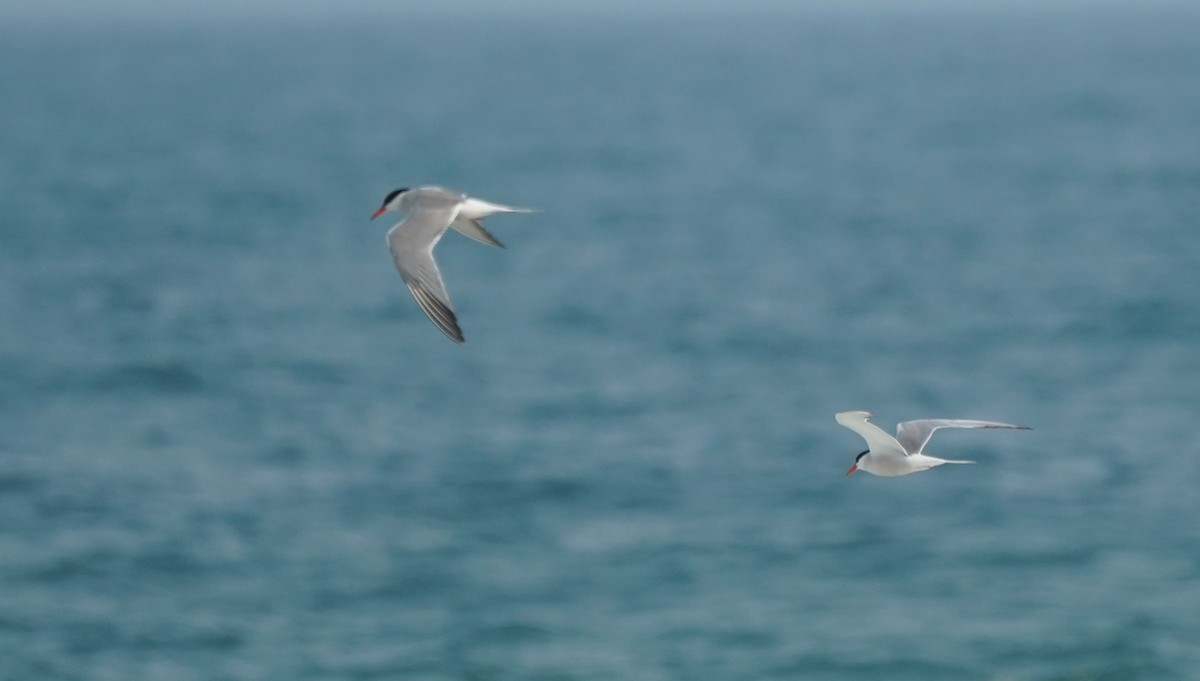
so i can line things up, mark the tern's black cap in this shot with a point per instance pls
(393, 194)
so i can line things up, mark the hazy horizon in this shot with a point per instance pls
(145, 10)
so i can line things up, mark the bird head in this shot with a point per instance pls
(856, 460)
(391, 202)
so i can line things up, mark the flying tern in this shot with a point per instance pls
(891, 456)
(429, 211)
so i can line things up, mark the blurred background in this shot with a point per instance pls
(232, 447)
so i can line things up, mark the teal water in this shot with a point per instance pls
(231, 447)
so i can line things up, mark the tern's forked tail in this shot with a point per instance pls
(477, 209)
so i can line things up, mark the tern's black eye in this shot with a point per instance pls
(393, 194)
(856, 459)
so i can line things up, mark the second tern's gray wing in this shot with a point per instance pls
(913, 435)
(475, 230)
(411, 242)
(878, 441)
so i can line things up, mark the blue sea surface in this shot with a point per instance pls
(232, 447)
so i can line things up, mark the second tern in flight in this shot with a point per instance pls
(901, 455)
(429, 212)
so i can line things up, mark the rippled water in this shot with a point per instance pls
(232, 447)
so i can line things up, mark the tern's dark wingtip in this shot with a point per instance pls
(452, 331)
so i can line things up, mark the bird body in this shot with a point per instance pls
(429, 212)
(903, 454)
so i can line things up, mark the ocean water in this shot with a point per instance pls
(231, 447)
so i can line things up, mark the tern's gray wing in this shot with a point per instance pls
(411, 242)
(434, 198)
(878, 441)
(913, 435)
(475, 230)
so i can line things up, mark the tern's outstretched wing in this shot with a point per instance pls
(913, 435)
(878, 441)
(475, 230)
(411, 242)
